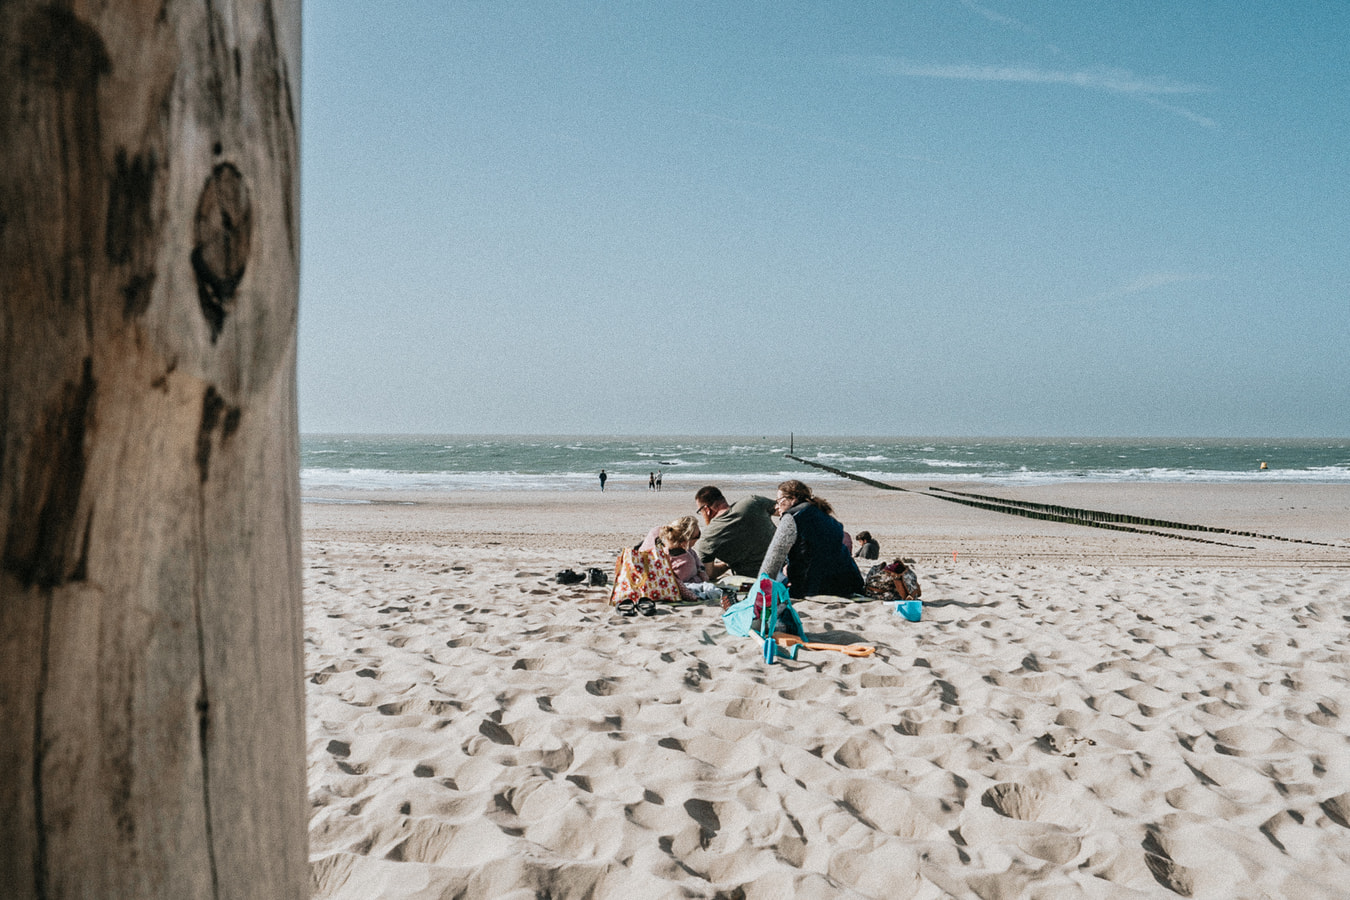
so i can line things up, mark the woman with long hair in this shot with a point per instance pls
(810, 543)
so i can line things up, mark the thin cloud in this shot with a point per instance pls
(999, 18)
(1151, 281)
(1202, 121)
(1118, 81)
(993, 16)
(1120, 294)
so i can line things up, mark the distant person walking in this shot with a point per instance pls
(603, 479)
(651, 481)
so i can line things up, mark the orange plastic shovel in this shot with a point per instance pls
(859, 650)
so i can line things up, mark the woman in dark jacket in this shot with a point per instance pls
(811, 543)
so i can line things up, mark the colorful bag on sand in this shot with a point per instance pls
(893, 581)
(644, 573)
(896, 582)
(766, 611)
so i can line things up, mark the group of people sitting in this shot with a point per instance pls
(808, 546)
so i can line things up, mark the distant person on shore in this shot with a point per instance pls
(735, 536)
(603, 479)
(868, 548)
(658, 482)
(809, 541)
(651, 481)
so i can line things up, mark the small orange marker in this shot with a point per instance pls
(953, 556)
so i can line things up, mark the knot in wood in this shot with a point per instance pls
(221, 235)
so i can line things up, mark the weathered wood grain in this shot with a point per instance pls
(151, 701)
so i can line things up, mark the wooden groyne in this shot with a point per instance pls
(876, 484)
(1069, 515)
(1097, 515)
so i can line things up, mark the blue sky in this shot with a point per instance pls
(935, 217)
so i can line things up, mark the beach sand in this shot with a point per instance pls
(1080, 713)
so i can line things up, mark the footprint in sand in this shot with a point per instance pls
(1064, 742)
(758, 711)
(1150, 700)
(496, 733)
(887, 808)
(602, 687)
(874, 680)
(1013, 800)
(1112, 704)
(1338, 809)
(703, 813)
(1247, 740)
(1198, 799)
(1290, 832)
(811, 689)
(1167, 871)
(911, 726)
(1327, 714)
(865, 750)
(696, 675)
(949, 696)
(1042, 836)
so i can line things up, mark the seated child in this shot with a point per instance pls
(677, 539)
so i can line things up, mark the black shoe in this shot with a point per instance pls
(567, 576)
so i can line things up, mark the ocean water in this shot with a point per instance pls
(563, 463)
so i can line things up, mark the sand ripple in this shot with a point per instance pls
(1047, 731)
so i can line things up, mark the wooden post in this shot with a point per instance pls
(151, 668)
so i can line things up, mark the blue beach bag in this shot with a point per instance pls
(767, 610)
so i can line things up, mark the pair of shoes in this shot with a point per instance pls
(647, 606)
(626, 608)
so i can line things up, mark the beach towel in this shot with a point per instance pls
(644, 573)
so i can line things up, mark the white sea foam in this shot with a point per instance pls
(416, 463)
